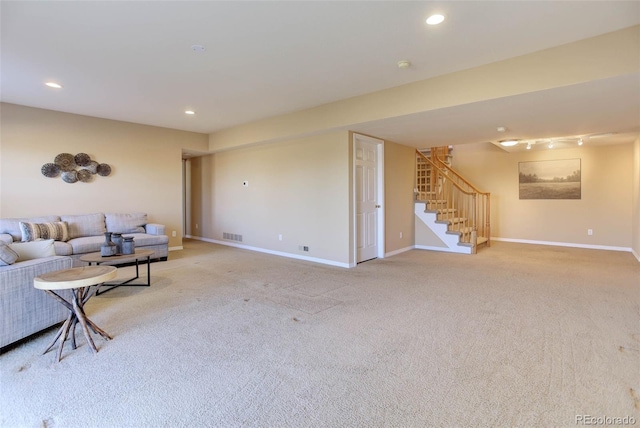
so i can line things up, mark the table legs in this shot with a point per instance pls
(127, 282)
(76, 316)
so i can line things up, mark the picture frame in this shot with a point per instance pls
(550, 179)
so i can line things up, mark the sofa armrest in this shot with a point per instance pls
(24, 309)
(6, 238)
(155, 229)
(31, 268)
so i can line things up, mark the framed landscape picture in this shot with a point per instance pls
(552, 179)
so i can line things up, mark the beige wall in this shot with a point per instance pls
(301, 189)
(399, 178)
(636, 199)
(146, 166)
(297, 188)
(605, 207)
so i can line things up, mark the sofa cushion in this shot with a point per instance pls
(144, 240)
(7, 255)
(86, 244)
(126, 223)
(12, 225)
(62, 248)
(56, 230)
(85, 225)
(33, 249)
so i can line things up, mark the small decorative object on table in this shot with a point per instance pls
(108, 249)
(128, 246)
(117, 239)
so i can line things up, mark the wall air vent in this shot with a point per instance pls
(231, 237)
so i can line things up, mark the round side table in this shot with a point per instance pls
(79, 280)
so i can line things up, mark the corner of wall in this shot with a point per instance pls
(635, 243)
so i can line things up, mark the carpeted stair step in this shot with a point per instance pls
(436, 204)
(461, 231)
(453, 221)
(480, 240)
(446, 211)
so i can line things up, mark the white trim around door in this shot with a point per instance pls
(378, 229)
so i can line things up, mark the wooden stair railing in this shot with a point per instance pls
(457, 202)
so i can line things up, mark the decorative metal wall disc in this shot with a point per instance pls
(82, 159)
(65, 161)
(50, 170)
(104, 169)
(84, 175)
(92, 167)
(70, 176)
(75, 168)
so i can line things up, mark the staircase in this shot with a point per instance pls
(452, 215)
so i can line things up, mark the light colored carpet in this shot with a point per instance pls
(517, 335)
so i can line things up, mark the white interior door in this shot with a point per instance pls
(366, 157)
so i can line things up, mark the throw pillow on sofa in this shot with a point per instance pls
(58, 231)
(12, 225)
(33, 249)
(7, 255)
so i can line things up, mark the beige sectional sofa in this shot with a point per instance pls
(86, 232)
(25, 310)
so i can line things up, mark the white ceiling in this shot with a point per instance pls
(132, 61)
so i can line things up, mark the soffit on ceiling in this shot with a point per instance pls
(597, 107)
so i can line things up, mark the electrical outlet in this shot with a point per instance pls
(174, 234)
(589, 232)
(196, 225)
(245, 183)
(305, 248)
(400, 235)
(280, 237)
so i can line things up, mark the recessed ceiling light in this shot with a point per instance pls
(508, 143)
(550, 145)
(404, 64)
(580, 142)
(435, 19)
(501, 129)
(189, 112)
(198, 48)
(528, 146)
(53, 85)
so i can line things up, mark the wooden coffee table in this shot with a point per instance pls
(80, 280)
(119, 260)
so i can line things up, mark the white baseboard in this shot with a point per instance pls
(273, 252)
(443, 249)
(564, 244)
(401, 250)
(179, 247)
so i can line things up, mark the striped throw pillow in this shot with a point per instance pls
(57, 230)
